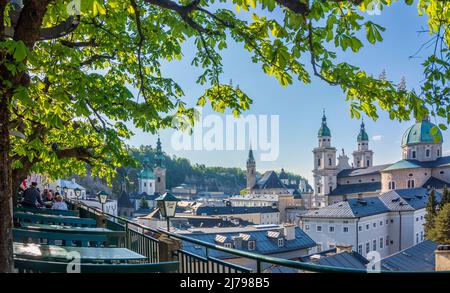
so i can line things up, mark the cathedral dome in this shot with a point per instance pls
(362, 136)
(420, 133)
(324, 130)
(146, 173)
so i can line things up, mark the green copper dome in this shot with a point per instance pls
(362, 136)
(146, 172)
(420, 132)
(324, 130)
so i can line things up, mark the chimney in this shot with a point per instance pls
(442, 257)
(237, 242)
(343, 247)
(289, 231)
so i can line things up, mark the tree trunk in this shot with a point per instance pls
(6, 244)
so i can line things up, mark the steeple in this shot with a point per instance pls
(324, 130)
(362, 136)
(251, 170)
(250, 159)
(159, 157)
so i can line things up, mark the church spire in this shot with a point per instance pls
(159, 157)
(324, 130)
(251, 158)
(362, 136)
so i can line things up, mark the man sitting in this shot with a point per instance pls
(32, 197)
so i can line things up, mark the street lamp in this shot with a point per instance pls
(167, 204)
(77, 192)
(102, 198)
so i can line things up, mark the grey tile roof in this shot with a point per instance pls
(435, 183)
(407, 199)
(419, 257)
(269, 180)
(352, 208)
(411, 164)
(362, 171)
(264, 244)
(344, 189)
(210, 211)
(343, 259)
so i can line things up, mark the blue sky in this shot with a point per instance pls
(299, 106)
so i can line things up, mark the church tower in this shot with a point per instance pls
(159, 170)
(362, 157)
(251, 170)
(325, 169)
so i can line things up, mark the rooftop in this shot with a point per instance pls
(419, 257)
(226, 210)
(362, 171)
(343, 189)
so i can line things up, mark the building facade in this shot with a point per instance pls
(422, 165)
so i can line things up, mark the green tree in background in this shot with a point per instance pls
(440, 232)
(65, 86)
(430, 214)
(143, 204)
(445, 196)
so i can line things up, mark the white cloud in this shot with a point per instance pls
(377, 137)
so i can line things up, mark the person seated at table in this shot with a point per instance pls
(32, 197)
(59, 203)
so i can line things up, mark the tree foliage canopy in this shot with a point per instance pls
(70, 96)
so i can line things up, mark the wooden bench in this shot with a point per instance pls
(65, 239)
(54, 219)
(36, 266)
(71, 213)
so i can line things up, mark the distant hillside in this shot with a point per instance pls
(181, 170)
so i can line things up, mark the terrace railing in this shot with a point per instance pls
(144, 240)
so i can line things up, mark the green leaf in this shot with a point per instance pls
(20, 52)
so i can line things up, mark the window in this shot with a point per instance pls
(442, 172)
(368, 163)
(367, 226)
(413, 154)
(411, 183)
(421, 236)
(367, 247)
(374, 224)
(318, 162)
(227, 245)
(392, 220)
(331, 228)
(417, 219)
(391, 185)
(387, 240)
(427, 153)
(318, 189)
(438, 153)
(359, 228)
(251, 245)
(345, 229)
(319, 228)
(360, 248)
(319, 247)
(159, 179)
(331, 189)
(381, 223)
(381, 242)
(417, 238)
(145, 184)
(280, 242)
(374, 245)
(306, 227)
(329, 162)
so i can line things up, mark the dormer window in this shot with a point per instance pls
(251, 245)
(280, 242)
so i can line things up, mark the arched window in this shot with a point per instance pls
(159, 179)
(318, 189)
(413, 154)
(318, 162)
(427, 153)
(411, 183)
(391, 185)
(368, 163)
(329, 162)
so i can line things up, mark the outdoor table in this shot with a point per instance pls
(65, 253)
(120, 235)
